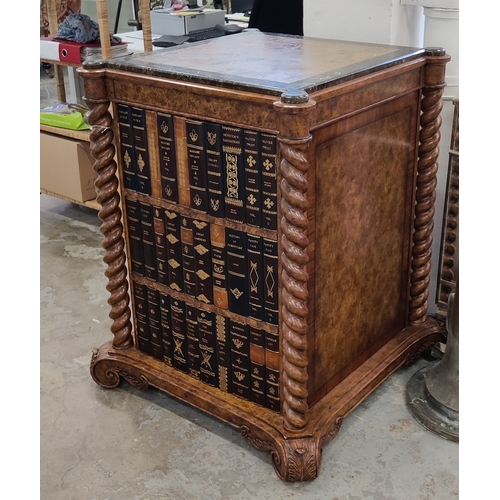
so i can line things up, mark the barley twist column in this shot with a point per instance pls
(294, 139)
(428, 152)
(106, 183)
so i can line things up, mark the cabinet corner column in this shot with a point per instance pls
(428, 152)
(106, 184)
(295, 109)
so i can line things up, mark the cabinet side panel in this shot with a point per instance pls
(364, 199)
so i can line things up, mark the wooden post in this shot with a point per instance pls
(146, 25)
(102, 18)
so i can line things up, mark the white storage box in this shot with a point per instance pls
(164, 22)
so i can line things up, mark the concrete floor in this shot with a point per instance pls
(99, 444)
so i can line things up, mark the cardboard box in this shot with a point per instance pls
(66, 167)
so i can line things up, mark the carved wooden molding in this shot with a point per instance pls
(107, 372)
(293, 459)
(294, 279)
(106, 183)
(448, 258)
(428, 152)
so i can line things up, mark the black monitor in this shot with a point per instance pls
(241, 6)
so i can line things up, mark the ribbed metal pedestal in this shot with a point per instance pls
(433, 415)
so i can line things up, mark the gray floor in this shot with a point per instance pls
(125, 444)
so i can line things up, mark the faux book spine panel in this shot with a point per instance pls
(133, 218)
(233, 171)
(193, 341)
(141, 317)
(217, 265)
(188, 258)
(203, 261)
(138, 117)
(232, 147)
(240, 359)
(227, 172)
(272, 371)
(197, 163)
(126, 149)
(255, 270)
(208, 348)
(215, 171)
(237, 271)
(160, 245)
(167, 156)
(269, 161)
(231, 355)
(173, 246)
(166, 329)
(270, 257)
(179, 334)
(257, 365)
(253, 188)
(148, 240)
(154, 318)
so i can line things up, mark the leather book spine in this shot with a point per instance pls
(148, 240)
(181, 161)
(270, 281)
(174, 250)
(166, 329)
(178, 318)
(237, 272)
(188, 259)
(215, 171)
(156, 337)
(269, 160)
(219, 265)
(232, 150)
(126, 141)
(166, 147)
(193, 341)
(223, 353)
(141, 317)
(160, 245)
(133, 218)
(272, 371)
(257, 365)
(255, 277)
(253, 188)
(141, 150)
(197, 162)
(203, 261)
(208, 356)
(240, 360)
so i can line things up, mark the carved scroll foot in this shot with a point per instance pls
(294, 459)
(108, 372)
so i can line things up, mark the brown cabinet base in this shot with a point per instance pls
(296, 456)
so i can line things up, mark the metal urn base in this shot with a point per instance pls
(432, 394)
(433, 415)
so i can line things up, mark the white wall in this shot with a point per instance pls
(377, 21)
(89, 7)
(416, 23)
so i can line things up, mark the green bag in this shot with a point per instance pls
(64, 115)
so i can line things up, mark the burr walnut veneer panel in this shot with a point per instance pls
(363, 174)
